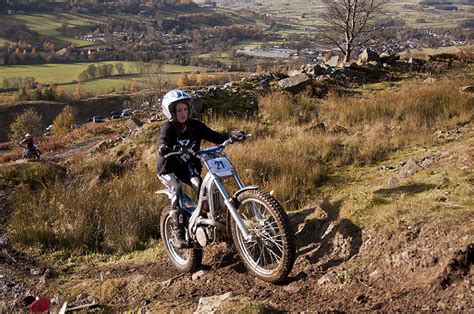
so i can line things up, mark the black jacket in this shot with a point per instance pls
(190, 135)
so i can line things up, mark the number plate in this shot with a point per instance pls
(220, 166)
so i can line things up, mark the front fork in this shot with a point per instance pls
(230, 203)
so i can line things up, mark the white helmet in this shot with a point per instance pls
(169, 102)
(27, 135)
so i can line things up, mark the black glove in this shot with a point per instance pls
(163, 150)
(237, 135)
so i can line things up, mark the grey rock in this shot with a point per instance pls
(389, 58)
(294, 73)
(133, 123)
(409, 168)
(198, 275)
(368, 56)
(211, 304)
(429, 80)
(324, 280)
(333, 61)
(296, 83)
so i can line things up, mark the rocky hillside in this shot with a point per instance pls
(380, 202)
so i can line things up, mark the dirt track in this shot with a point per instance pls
(332, 273)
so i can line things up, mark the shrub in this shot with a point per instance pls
(29, 121)
(63, 121)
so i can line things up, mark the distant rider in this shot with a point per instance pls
(28, 140)
(182, 131)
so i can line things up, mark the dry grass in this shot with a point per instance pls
(415, 105)
(287, 154)
(291, 157)
(118, 215)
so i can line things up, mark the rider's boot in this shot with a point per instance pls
(179, 240)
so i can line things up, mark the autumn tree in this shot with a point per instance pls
(192, 79)
(78, 92)
(202, 77)
(349, 22)
(182, 80)
(63, 121)
(133, 86)
(30, 121)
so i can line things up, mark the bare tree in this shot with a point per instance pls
(349, 22)
(154, 76)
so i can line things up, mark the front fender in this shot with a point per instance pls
(250, 187)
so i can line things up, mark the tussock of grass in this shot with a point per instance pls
(118, 215)
(288, 167)
(31, 174)
(416, 105)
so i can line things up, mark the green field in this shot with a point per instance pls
(408, 10)
(106, 85)
(61, 73)
(49, 24)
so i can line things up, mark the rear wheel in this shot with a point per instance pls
(185, 260)
(270, 252)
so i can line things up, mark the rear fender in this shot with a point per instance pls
(167, 192)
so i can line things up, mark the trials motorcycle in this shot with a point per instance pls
(31, 153)
(252, 218)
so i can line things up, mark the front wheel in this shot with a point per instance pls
(185, 260)
(270, 252)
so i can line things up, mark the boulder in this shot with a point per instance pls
(401, 66)
(266, 85)
(368, 56)
(389, 58)
(295, 83)
(198, 104)
(133, 123)
(316, 69)
(429, 80)
(294, 73)
(333, 61)
(409, 168)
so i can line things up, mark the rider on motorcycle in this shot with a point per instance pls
(182, 131)
(28, 140)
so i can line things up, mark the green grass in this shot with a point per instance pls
(107, 84)
(61, 73)
(101, 86)
(49, 24)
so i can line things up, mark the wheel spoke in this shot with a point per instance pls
(276, 256)
(277, 244)
(258, 260)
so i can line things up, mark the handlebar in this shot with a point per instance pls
(206, 151)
